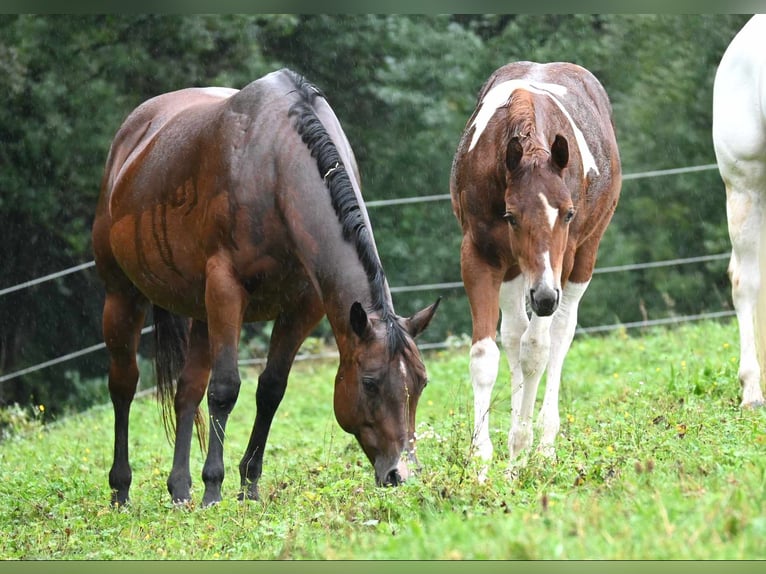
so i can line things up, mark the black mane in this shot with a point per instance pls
(333, 172)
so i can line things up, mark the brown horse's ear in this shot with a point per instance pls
(513, 154)
(420, 320)
(359, 321)
(560, 152)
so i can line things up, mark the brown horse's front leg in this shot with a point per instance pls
(290, 330)
(191, 388)
(225, 300)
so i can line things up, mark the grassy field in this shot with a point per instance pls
(655, 461)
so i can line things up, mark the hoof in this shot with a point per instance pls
(547, 452)
(248, 495)
(119, 500)
(481, 478)
(182, 504)
(511, 473)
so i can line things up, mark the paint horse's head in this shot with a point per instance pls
(538, 209)
(377, 387)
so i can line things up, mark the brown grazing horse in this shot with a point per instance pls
(535, 181)
(222, 207)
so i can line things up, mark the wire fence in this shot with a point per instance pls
(425, 287)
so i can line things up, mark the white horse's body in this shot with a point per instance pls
(739, 137)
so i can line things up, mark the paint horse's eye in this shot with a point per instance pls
(569, 215)
(511, 218)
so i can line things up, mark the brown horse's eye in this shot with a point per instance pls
(370, 385)
(569, 215)
(511, 219)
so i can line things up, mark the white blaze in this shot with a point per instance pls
(550, 211)
(548, 278)
(499, 96)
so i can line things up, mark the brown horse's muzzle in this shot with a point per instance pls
(393, 472)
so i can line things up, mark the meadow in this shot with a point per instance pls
(655, 461)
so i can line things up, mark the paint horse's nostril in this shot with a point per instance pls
(544, 301)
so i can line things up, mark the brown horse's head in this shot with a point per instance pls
(379, 381)
(538, 209)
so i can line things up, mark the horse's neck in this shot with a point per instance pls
(334, 264)
(342, 281)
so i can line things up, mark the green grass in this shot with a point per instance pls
(655, 461)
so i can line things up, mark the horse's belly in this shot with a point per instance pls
(172, 272)
(163, 260)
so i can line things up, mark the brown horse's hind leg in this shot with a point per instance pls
(191, 388)
(225, 301)
(290, 330)
(122, 321)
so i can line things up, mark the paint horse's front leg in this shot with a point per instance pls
(513, 325)
(562, 334)
(534, 350)
(482, 284)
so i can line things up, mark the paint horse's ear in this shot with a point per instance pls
(420, 320)
(513, 154)
(359, 321)
(560, 152)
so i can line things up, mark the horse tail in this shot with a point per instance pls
(171, 344)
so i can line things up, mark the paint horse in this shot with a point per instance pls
(534, 184)
(219, 207)
(739, 138)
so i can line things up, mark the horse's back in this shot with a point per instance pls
(585, 100)
(138, 133)
(576, 90)
(576, 102)
(739, 103)
(204, 175)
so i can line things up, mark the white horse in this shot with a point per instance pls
(739, 137)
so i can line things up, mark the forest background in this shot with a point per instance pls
(403, 87)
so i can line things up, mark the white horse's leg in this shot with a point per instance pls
(745, 216)
(513, 324)
(562, 333)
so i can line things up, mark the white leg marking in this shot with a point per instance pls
(483, 367)
(562, 333)
(535, 350)
(512, 326)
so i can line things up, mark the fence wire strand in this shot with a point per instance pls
(425, 287)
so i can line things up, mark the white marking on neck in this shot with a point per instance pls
(222, 93)
(499, 96)
(403, 370)
(550, 211)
